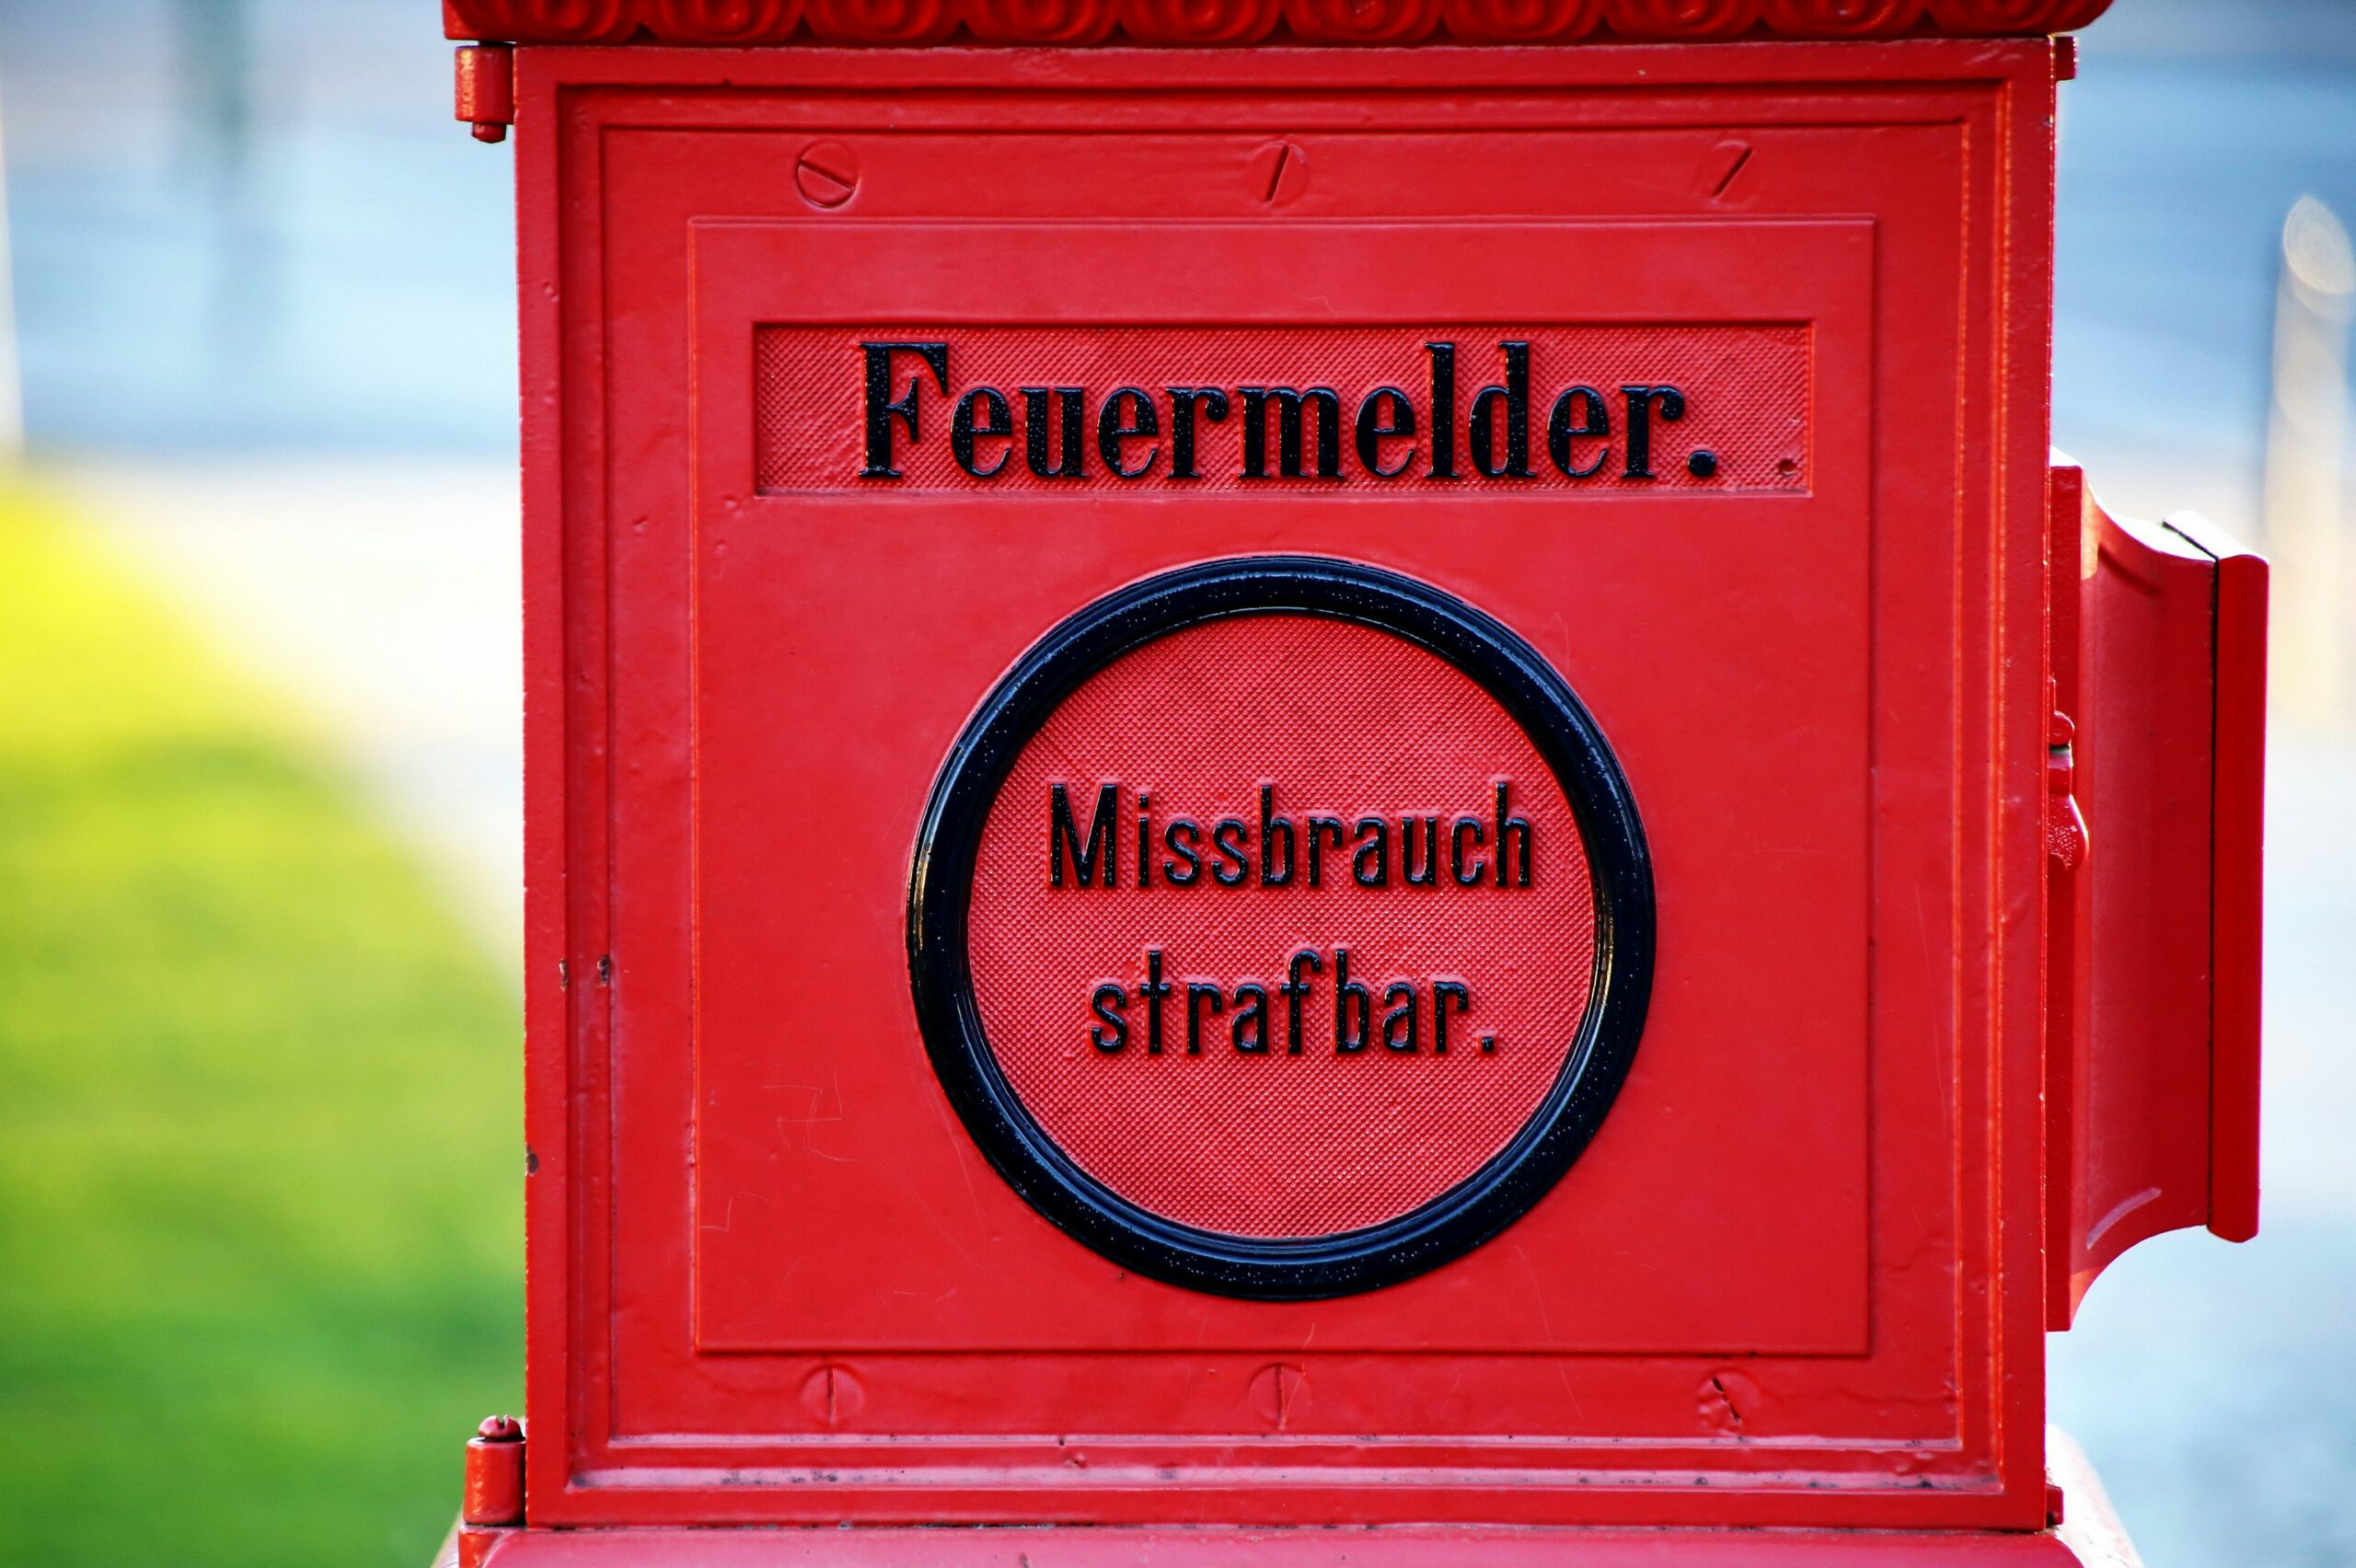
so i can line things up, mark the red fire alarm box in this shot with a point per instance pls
(1288, 785)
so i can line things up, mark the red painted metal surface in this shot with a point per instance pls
(1196, 22)
(1940, 983)
(1317, 1138)
(1378, 1548)
(2159, 653)
(2090, 1537)
(2085, 1533)
(486, 89)
(2237, 880)
(494, 1493)
(492, 1507)
(1747, 390)
(772, 1279)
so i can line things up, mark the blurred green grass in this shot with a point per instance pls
(261, 1140)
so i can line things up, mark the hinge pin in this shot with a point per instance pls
(487, 89)
(494, 1492)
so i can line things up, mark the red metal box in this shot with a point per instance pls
(1026, 550)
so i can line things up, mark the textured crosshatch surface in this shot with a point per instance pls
(1746, 391)
(1774, 1290)
(1341, 720)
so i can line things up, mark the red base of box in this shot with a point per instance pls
(1373, 1548)
(2089, 1536)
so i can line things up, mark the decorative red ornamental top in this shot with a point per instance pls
(1189, 22)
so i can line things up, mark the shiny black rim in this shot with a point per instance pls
(1343, 1262)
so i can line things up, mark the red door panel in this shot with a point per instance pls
(788, 1285)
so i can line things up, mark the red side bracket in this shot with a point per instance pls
(2153, 937)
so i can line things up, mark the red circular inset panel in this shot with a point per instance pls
(1365, 785)
(1281, 926)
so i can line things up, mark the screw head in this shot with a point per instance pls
(831, 1395)
(1275, 1393)
(500, 1429)
(1277, 174)
(827, 174)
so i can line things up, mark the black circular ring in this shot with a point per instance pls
(1303, 1268)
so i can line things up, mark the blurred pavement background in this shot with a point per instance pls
(2197, 1375)
(264, 292)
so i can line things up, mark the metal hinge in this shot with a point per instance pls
(493, 1501)
(2065, 824)
(486, 89)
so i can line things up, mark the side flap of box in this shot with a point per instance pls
(2157, 764)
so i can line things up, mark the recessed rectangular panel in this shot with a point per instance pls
(827, 1147)
(1525, 407)
(786, 1267)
